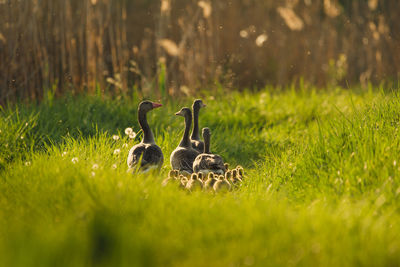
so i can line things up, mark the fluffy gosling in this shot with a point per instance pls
(209, 183)
(194, 183)
(222, 185)
(235, 179)
(171, 177)
(183, 181)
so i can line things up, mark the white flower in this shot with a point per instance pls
(114, 166)
(22, 137)
(132, 135)
(64, 153)
(125, 145)
(117, 151)
(128, 131)
(93, 174)
(74, 160)
(28, 163)
(115, 137)
(95, 166)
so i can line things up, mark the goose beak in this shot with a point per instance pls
(156, 105)
(178, 113)
(203, 105)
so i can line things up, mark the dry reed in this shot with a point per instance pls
(54, 46)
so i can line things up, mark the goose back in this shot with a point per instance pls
(207, 162)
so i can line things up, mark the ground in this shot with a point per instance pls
(322, 186)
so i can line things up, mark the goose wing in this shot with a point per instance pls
(208, 162)
(182, 159)
(147, 155)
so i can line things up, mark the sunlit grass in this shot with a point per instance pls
(322, 184)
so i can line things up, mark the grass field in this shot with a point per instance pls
(322, 187)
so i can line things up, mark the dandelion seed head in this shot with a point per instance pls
(117, 151)
(22, 137)
(128, 131)
(394, 162)
(64, 153)
(125, 145)
(114, 166)
(28, 163)
(132, 135)
(93, 174)
(74, 160)
(95, 166)
(115, 137)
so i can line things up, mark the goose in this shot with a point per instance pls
(195, 137)
(194, 183)
(146, 153)
(209, 183)
(226, 166)
(234, 178)
(183, 156)
(207, 162)
(240, 171)
(171, 177)
(183, 181)
(222, 185)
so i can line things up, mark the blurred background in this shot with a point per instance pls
(176, 47)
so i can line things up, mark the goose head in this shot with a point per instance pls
(184, 112)
(240, 170)
(228, 175)
(197, 104)
(226, 165)
(234, 173)
(200, 175)
(146, 106)
(194, 176)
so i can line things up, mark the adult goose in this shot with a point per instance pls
(207, 162)
(195, 137)
(146, 153)
(183, 156)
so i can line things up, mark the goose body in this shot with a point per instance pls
(194, 183)
(183, 156)
(209, 183)
(197, 144)
(146, 153)
(222, 185)
(207, 162)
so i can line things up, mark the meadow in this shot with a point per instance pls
(322, 186)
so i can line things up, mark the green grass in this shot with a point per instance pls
(323, 184)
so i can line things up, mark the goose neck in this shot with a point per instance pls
(185, 142)
(147, 133)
